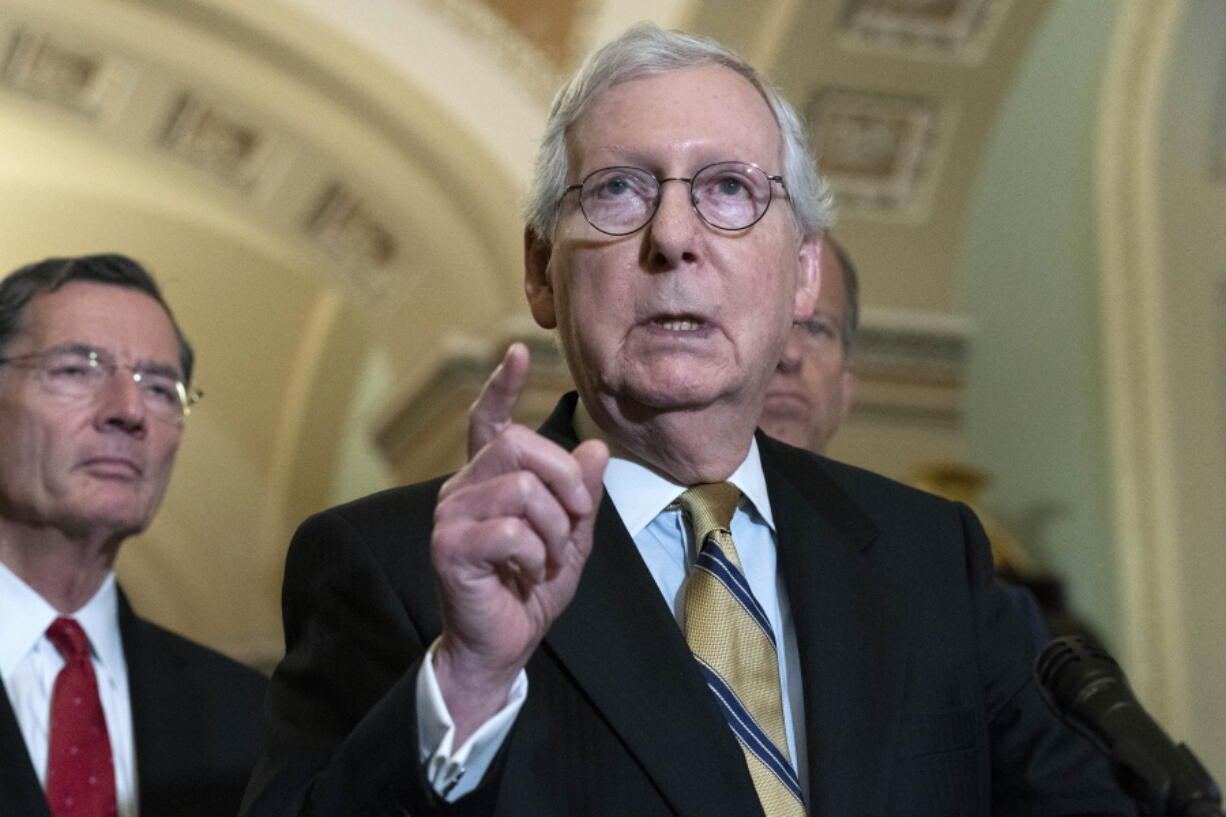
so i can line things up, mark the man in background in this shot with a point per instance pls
(814, 385)
(811, 393)
(104, 713)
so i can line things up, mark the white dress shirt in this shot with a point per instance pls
(29, 664)
(663, 539)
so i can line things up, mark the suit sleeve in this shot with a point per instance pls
(342, 705)
(1039, 764)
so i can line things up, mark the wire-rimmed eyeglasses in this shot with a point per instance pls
(80, 372)
(727, 195)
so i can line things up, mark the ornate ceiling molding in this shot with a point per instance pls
(881, 153)
(133, 100)
(339, 173)
(353, 233)
(220, 140)
(957, 30)
(60, 71)
(911, 367)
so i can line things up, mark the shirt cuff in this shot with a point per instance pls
(453, 772)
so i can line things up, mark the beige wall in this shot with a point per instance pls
(1029, 278)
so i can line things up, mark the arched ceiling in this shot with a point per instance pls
(331, 194)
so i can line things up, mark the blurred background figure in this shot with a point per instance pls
(812, 394)
(813, 388)
(1038, 592)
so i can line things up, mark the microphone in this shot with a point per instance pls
(1086, 687)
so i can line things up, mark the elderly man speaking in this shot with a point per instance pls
(646, 608)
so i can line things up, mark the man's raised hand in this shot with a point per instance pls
(512, 532)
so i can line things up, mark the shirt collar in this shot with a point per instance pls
(27, 615)
(640, 494)
(100, 620)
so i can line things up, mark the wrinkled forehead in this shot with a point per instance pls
(708, 112)
(124, 321)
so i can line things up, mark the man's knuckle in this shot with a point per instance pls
(509, 528)
(524, 485)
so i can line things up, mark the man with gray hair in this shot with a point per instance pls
(645, 608)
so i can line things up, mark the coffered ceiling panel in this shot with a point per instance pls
(959, 30)
(880, 153)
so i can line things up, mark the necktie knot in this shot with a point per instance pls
(710, 506)
(68, 637)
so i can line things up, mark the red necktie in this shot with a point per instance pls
(80, 773)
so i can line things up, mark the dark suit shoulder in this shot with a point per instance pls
(195, 658)
(854, 479)
(857, 499)
(389, 531)
(382, 515)
(197, 721)
(208, 695)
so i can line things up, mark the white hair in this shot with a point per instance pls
(646, 50)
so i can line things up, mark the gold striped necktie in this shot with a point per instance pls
(732, 639)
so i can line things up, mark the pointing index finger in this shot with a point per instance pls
(491, 411)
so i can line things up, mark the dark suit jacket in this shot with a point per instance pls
(917, 672)
(197, 724)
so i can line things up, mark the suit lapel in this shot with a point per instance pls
(621, 644)
(157, 689)
(852, 662)
(20, 792)
(619, 641)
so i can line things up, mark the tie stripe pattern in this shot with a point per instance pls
(713, 559)
(731, 637)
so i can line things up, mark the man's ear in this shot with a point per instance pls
(847, 394)
(537, 286)
(808, 278)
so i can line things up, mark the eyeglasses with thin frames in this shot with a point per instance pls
(621, 200)
(80, 372)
